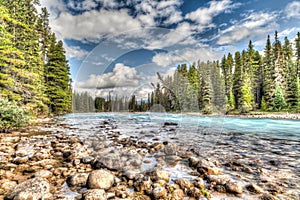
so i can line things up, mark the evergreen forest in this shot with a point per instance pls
(34, 71)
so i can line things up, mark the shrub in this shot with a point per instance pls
(11, 115)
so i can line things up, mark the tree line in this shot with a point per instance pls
(240, 83)
(34, 71)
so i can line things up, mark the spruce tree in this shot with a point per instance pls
(58, 81)
(268, 75)
(237, 79)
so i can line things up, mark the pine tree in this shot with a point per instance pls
(237, 79)
(268, 72)
(58, 81)
(11, 59)
(27, 41)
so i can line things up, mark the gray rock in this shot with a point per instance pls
(159, 192)
(171, 149)
(36, 188)
(177, 194)
(87, 160)
(94, 194)
(43, 174)
(208, 168)
(184, 184)
(254, 188)
(193, 161)
(78, 179)
(234, 187)
(100, 179)
(218, 179)
(143, 185)
(267, 196)
(118, 160)
(20, 160)
(160, 175)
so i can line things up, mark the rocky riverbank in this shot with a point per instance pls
(44, 162)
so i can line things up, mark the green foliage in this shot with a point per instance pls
(247, 95)
(11, 115)
(279, 101)
(263, 105)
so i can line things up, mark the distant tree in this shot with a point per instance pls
(279, 101)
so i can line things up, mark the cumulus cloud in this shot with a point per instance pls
(293, 9)
(94, 24)
(204, 16)
(255, 25)
(186, 55)
(75, 52)
(122, 76)
(150, 10)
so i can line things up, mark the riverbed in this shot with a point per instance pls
(153, 155)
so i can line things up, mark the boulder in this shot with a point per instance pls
(94, 194)
(36, 188)
(100, 179)
(79, 180)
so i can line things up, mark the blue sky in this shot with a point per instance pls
(119, 45)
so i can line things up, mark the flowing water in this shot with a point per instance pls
(272, 146)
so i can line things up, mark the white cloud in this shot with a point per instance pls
(150, 10)
(180, 35)
(255, 25)
(186, 55)
(92, 25)
(75, 52)
(204, 16)
(122, 76)
(293, 9)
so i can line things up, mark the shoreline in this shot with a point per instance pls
(279, 116)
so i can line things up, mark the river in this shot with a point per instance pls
(270, 148)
